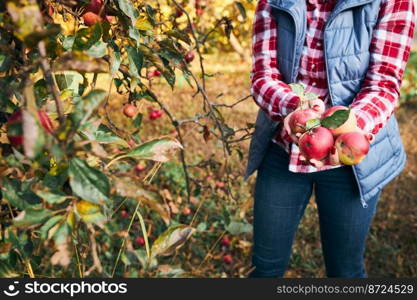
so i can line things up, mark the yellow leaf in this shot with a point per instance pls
(87, 208)
(142, 23)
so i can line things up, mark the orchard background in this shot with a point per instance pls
(140, 172)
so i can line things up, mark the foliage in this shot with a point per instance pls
(71, 198)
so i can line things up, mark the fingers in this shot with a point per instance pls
(334, 157)
(316, 163)
(287, 129)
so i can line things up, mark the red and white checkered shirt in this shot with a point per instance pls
(379, 93)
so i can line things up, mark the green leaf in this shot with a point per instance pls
(312, 123)
(33, 215)
(239, 227)
(115, 58)
(157, 150)
(102, 134)
(48, 225)
(52, 197)
(7, 271)
(138, 120)
(336, 119)
(202, 226)
(129, 10)
(242, 9)
(97, 50)
(135, 35)
(311, 96)
(298, 89)
(143, 259)
(127, 188)
(85, 38)
(135, 60)
(169, 75)
(172, 239)
(68, 42)
(88, 183)
(151, 14)
(84, 107)
(69, 80)
(60, 232)
(5, 61)
(17, 195)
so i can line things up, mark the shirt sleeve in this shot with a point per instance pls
(270, 93)
(390, 50)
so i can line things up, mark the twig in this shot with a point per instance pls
(46, 69)
(96, 260)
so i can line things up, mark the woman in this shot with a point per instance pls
(351, 53)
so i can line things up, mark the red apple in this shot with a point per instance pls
(124, 214)
(186, 211)
(350, 124)
(352, 147)
(91, 18)
(129, 110)
(50, 11)
(154, 73)
(15, 129)
(131, 143)
(316, 143)
(140, 241)
(139, 168)
(189, 57)
(299, 118)
(220, 185)
(228, 259)
(155, 114)
(94, 6)
(110, 19)
(225, 241)
(45, 121)
(178, 13)
(199, 11)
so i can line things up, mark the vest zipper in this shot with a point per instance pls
(332, 17)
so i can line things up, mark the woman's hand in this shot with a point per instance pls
(287, 128)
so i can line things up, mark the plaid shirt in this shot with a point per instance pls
(379, 93)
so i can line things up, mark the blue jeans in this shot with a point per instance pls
(280, 200)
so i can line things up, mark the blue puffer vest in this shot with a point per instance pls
(347, 37)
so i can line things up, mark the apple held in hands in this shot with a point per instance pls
(349, 124)
(298, 120)
(316, 144)
(352, 147)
